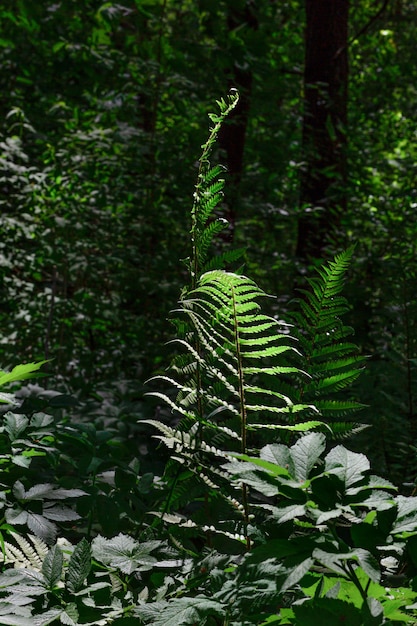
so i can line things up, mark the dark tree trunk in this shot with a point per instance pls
(233, 133)
(323, 181)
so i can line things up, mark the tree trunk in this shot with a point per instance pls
(233, 134)
(323, 180)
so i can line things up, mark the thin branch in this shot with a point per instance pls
(364, 28)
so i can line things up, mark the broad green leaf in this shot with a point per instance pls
(296, 574)
(41, 527)
(271, 468)
(70, 616)
(15, 424)
(336, 561)
(349, 466)
(21, 372)
(79, 566)
(407, 514)
(262, 482)
(49, 617)
(278, 454)
(286, 513)
(327, 611)
(369, 564)
(15, 620)
(125, 553)
(182, 612)
(60, 513)
(16, 516)
(22, 460)
(8, 398)
(52, 566)
(305, 454)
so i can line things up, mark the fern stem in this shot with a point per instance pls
(352, 575)
(243, 414)
(204, 165)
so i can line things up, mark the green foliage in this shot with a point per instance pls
(207, 197)
(233, 350)
(66, 584)
(329, 542)
(256, 520)
(332, 362)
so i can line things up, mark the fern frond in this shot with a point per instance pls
(223, 259)
(208, 194)
(231, 347)
(29, 553)
(332, 363)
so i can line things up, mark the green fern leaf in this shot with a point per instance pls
(332, 363)
(30, 553)
(212, 173)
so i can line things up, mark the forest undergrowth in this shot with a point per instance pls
(257, 510)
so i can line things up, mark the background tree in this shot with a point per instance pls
(323, 194)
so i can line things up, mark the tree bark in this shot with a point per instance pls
(233, 134)
(323, 179)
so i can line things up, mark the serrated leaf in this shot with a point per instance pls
(327, 611)
(21, 461)
(349, 466)
(336, 561)
(296, 574)
(15, 424)
(70, 616)
(182, 612)
(49, 617)
(279, 454)
(369, 564)
(52, 566)
(272, 468)
(16, 516)
(79, 566)
(407, 514)
(8, 398)
(305, 454)
(39, 492)
(41, 527)
(60, 514)
(262, 483)
(21, 372)
(286, 513)
(15, 620)
(125, 553)
(63, 494)
(19, 490)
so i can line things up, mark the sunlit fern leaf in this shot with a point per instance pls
(222, 394)
(29, 552)
(206, 218)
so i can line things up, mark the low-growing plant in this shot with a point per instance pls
(98, 583)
